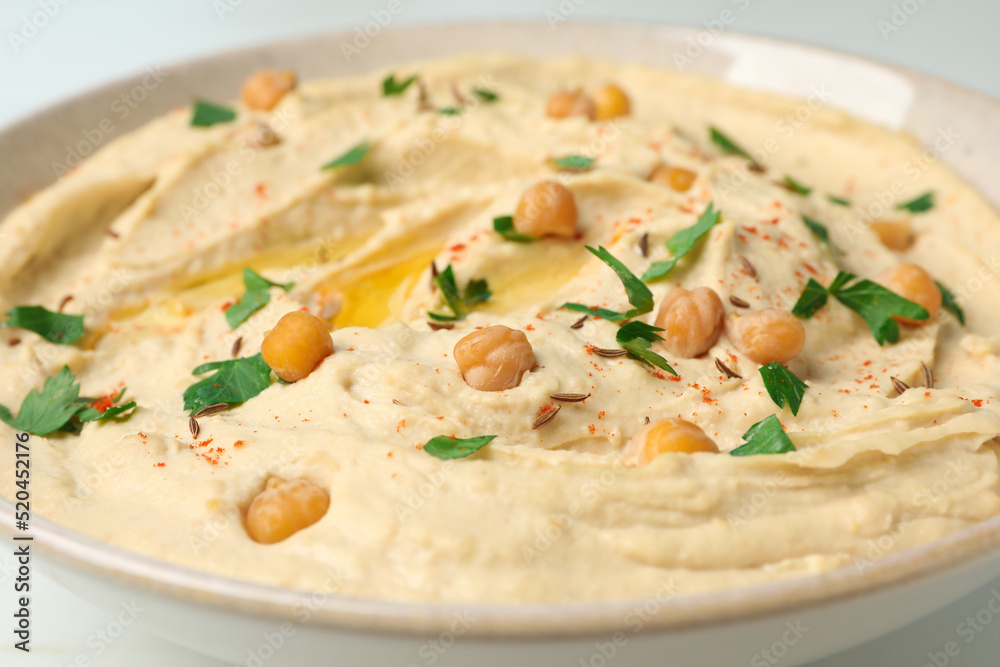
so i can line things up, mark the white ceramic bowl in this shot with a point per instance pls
(791, 622)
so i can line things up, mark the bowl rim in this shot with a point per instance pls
(82, 553)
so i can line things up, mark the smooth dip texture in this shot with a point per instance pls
(151, 235)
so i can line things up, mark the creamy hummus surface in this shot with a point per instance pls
(151, 235)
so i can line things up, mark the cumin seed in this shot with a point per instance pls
(194, 426)
(66, 299)
(726, 370)
(459, 97)
(611, 354)
(569, 398)
(237, 344)
(547, 417)
(738, 302)
(928, 375)
(13, 341)
(757, 168)
(434, 274)
(112, 233)
(211, 409)
(438, 326)
(579, 323)
(423, 100)
(644, 245)
(748, 267)
(900, 386)
(647, 420)
(395, 402)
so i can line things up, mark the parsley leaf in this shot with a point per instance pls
(727, 145)
(820, 231)
(235, 381)
(873, 302)
(682, 242)
(450, 111)
(797, 187)
(485, 94)
(638, 294)
(352, 157)
(636, 338)
(207, 114)
(255, 297)
(574, 162)
(391, 87)
(765, 437)
(53, 327)
(476, 291)
(949, 301)
(49, 410)
(839, 201)
(783, 386)
(446, 447)
(924, 202)
(504, 226)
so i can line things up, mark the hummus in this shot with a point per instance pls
(151, 235)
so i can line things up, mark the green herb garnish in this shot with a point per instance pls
(783, 386)
(235, 381)
(504, 226)
(727, 145)
(820, 231)
(352, 157)
(391, 87)
(111, 408)
(765, 437)
(924, 202)
(450, 111)
(476, 291)
(839, 201)
(638, 294)
(446, 447)
(574, 162)
(797, 187)
(949, 301)
(54, 327)
(873, 302)
(637, 338)
(682, 242)
(485, 94)
(256, 297)
(207, 114)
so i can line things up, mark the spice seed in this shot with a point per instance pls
(569, 398)
(579, 323)
(757, 168)
(112, 233)
(438, 326)
(726, 369)
(211, 409)
(434, 274)
(928, 376)
(647, 420)
(194, 426)
(644, 245)
(748, 267)
(611, 354)
(738, 302)
(14, 341)
(899, 384)
(397, 402)
(66, 299)
(547, 417)
(237, 344)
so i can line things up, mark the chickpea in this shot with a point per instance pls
(666, 435)
(265, 88)
(494, 358)
(296, 345)
(284, 508)
(768, 335)
(568, 103)
(894, 234)
(675, 178)
(611, 102)
(691, 321)
(912, 282)
(547, 208)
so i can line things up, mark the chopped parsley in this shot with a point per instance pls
(235, 381)
(450, 111)
(797, 187)
(638, 294)
(391, 87)
(765, 437)
(352, 157)
(476, 291)
(54, 327)
(504, 226)
(924, 202)
(820, 231)
(783, 386)
(873, 302)
(54, 407)
(727, 145)
(682, 242)
(207, 114)
(256, 297)
(949, 301)
(636, 338)
(839, 201)
(574, 162)
(447, 447)
(485, 94)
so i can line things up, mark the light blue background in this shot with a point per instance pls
(87, 42)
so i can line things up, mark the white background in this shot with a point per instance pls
(87, 42)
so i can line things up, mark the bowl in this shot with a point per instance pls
(792, 621)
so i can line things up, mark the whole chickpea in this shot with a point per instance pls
(675, 178)
(494, 358)
(894, 234)
(284, 508)
(666, 435)
(265, 88)
(296, 345)
(768, 335)
(691, 321)
(912, 282)
(568, 103)
(611, 102)
(547, 208)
